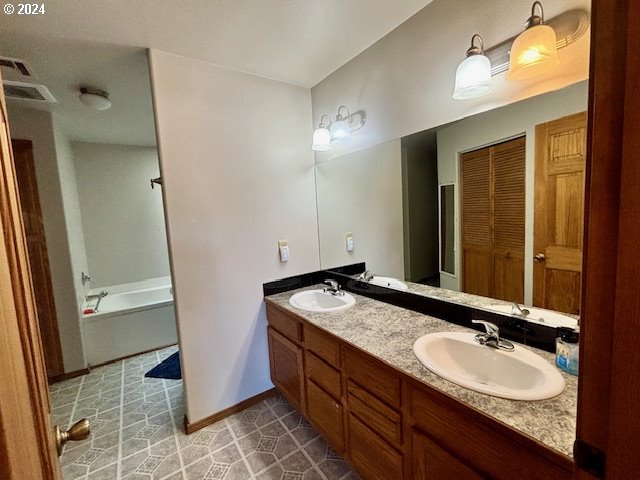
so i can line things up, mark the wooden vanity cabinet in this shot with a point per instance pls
(391, 426)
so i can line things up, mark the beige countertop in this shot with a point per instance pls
(388, 333)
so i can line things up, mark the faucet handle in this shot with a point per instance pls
(490, 328)
(331, 283)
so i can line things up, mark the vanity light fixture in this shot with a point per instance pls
(534, 51)
(341, 128)
(339, 131)
(322, 136)
(95, 98)
(473, 77)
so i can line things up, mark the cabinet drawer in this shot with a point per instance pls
(380, 418)
(483, 442)
(371, 456)
(375, 377)
(326, 414)
(324, 375)
(322, 344)
(285, 324)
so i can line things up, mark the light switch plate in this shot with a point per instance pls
(349, 242)
(283, 249)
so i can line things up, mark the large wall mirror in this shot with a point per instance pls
(489, 205)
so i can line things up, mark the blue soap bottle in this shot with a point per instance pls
(567, 351)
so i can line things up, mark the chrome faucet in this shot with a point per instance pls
(366, 276)
(99, 296)
(333, 288)
(492, 337)
(517, 310)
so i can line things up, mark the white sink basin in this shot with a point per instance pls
(516, 375)
(389, 282)
(319, 301)
(547, 317)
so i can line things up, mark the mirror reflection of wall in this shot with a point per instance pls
(505, 267)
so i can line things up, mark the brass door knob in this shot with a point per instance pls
(541, 257)
(79, 431)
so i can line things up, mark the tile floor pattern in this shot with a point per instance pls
(137, 433)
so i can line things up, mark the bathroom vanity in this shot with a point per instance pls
(353, 375)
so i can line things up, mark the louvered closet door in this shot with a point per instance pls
(476, 221)
(508, 220)
(492, 186)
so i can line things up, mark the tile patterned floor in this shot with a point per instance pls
(137, 433)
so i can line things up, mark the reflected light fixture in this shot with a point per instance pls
(341, 128)
(322, 136)
(534, 51)
(95, 98)
(473, 76)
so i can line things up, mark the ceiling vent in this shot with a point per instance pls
(15, 66)
(27, 91)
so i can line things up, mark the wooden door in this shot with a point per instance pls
(493, 195)
(561, 149)
(430, 462)
(38, 256)
(27, 445)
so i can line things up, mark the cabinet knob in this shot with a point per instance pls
(540, 257)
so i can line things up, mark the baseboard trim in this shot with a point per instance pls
(132, 355)
(66, 376)
(216, 417)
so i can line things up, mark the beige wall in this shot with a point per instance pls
(493, 127)
(61, 217)
(238, 176)
(122, 217)
(404, 82)
(362, 193)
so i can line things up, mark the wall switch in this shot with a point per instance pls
(349, 242)
(283, 249)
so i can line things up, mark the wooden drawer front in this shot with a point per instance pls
(324, 375)
(322, 344)
(375, 377)
(286, 368)
(326, 414)
(383, 420)
(483, 443)
(430, 462)
(286, 324)
(372, 457)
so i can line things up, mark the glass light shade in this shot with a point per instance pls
(321, 140)
(340, 131)
(533, 52)
(473, 77)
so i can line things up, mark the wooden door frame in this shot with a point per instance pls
(27, 448)
(609, 385)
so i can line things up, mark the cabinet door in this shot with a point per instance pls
(430, 462)
(326, 414)
(287, 369)
(371, 456)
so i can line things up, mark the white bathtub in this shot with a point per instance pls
(131, 318)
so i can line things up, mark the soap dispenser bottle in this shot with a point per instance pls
(567, 351)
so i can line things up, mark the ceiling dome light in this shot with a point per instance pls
(340, 129)
(534, 51)
(322, 137)
(95, 98)
(473, 76)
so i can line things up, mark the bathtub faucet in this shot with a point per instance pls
(99, 296)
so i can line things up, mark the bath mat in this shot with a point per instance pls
(169, 368)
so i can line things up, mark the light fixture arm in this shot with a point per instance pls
(322, 124)
(535, 20)
(473, 49)
(340, 117)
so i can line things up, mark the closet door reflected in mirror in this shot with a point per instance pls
(492, 182)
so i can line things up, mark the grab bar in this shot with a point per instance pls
(156, 180)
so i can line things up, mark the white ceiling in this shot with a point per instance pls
(294, 41)
(103, 44)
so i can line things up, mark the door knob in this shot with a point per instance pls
(540, 257)
(78, 431)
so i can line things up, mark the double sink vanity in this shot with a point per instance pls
(405, 395)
